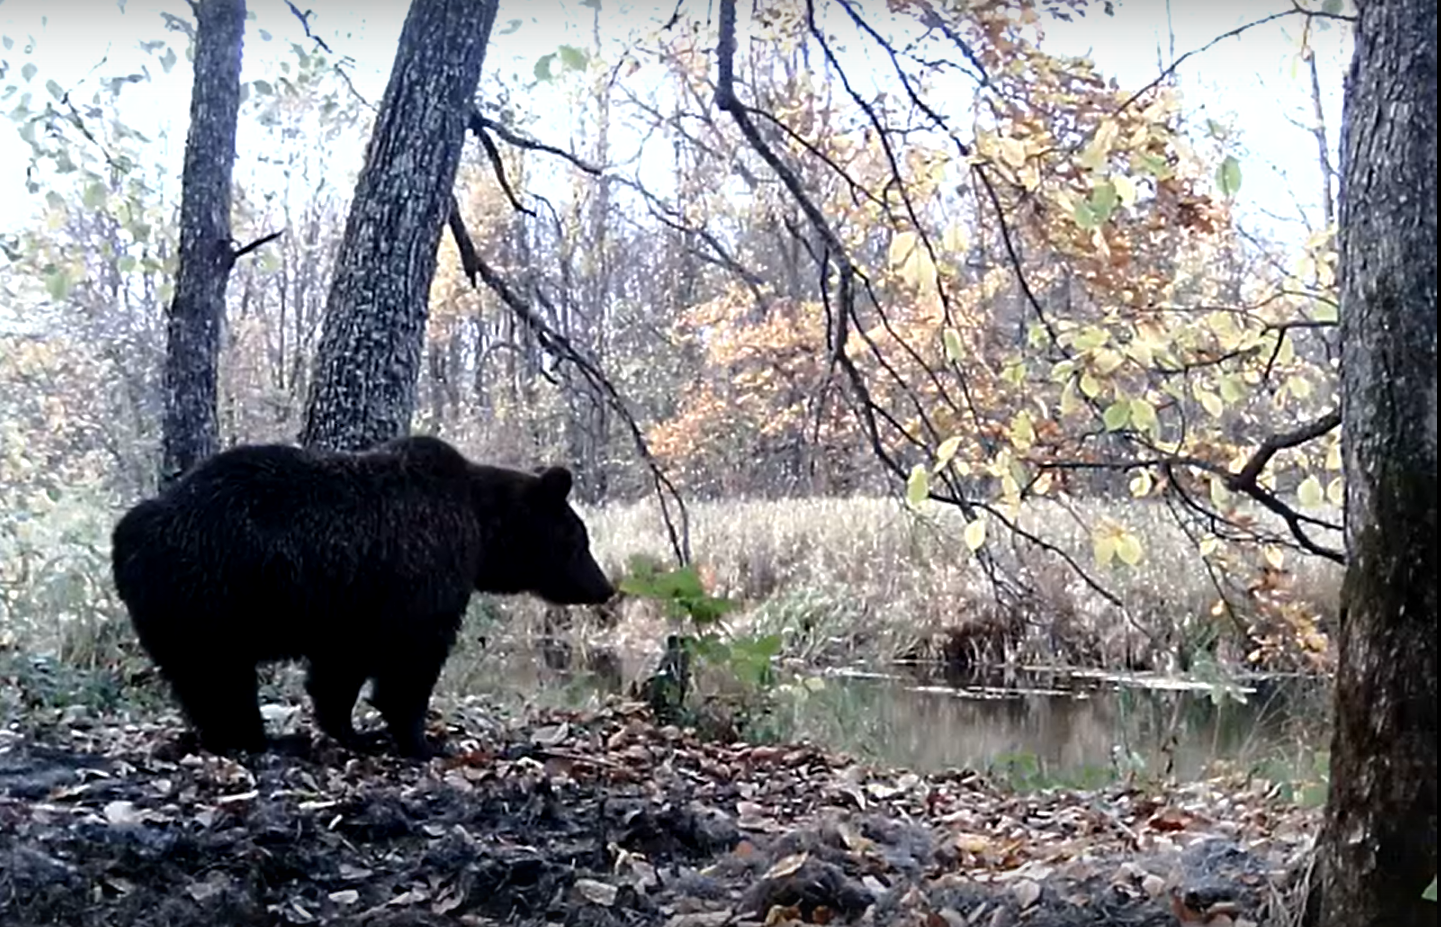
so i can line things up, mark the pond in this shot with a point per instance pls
(1033, 726)
(1044, 726)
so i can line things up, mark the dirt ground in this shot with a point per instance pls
(601, 818)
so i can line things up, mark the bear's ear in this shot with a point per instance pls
(555, 482)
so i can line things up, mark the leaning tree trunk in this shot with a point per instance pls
(1378, 848)
(363, 390)
(189, 431)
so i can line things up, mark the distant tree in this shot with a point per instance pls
(1378, 848)
(196, 314)
(364, 387)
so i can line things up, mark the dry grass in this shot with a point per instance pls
(867, 578)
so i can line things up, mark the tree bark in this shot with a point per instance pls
(196, 314)
(363, 390)
(1378, 847)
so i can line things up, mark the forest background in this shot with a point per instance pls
(1105, 379)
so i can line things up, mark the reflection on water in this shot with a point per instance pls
(1051, 726)
(1065, 724)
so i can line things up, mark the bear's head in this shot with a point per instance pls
(539, 544)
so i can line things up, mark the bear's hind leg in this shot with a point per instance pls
(221, 703)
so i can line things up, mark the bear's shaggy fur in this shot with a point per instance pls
(362, 564)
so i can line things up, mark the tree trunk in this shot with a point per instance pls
(1378, 848)
(190, 432)
(366, 368)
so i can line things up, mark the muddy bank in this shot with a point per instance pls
(600, 818)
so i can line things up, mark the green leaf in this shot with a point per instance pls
(1228, 176)
(573, 58)
(510, 27)
(57, 284)
(263, 87)
(952, 339)
(1143, 416)
(542, 67)
(975, 534)
(1333, 8)
(167, 60)
(55, 90)
(1085, 216)
(1103, 200)
(28, 71)
(1117, 415)
(918, 485)
(93, 197)
(1155, 165)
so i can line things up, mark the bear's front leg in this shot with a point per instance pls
(402, 695)
(334, 684)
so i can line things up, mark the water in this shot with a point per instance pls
(1033, 727)
(1049, 726)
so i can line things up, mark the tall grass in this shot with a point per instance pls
(850, 578)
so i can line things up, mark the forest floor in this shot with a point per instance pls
(599, 817)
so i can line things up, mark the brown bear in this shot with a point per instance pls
(362, 564)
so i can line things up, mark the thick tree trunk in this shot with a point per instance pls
(1378, 849)
(363, 391)
(190, 432)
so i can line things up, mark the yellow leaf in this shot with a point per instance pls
(1220, 495)
(902, 244)
(1125, 189)
(918, 485)
(1211, 403)
(1128, 548)
(918, 268)
(1333, 457)
(1275, 556)
(1104, 547)
(1142, 483)
(1106, 360)
(947, 450)
(1209, 545)
(1090, 385)
(1013, 151)
(1336, 492)
(1023, 434)
(1070, 402)
(1310, 492)
(955, 240)
(975, 534)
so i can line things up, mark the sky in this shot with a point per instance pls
(1250, 80)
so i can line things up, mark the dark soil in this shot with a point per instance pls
(601, 819)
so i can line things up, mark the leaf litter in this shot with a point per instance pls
(599, 817)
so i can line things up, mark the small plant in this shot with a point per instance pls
(704, 643)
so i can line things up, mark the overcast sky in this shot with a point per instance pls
(1250, 77)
